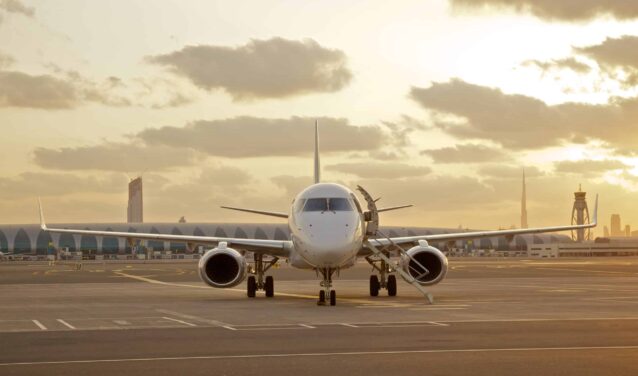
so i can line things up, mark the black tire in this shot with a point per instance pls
(251, 286)
(269, 287)
(333, 297)
(322, 297)
(374, 285)
(392, 285)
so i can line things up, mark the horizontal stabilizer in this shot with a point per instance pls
(262, 212)
(393, 208)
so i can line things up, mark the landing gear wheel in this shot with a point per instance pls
(392, 285)
(333, 297)
(251, 286)
(269, 286)
(322, 298)
(374, 285)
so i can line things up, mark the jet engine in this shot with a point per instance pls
(425, 263)
(222, 267)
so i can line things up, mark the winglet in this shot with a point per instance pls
(43, 225)
(317, 166)
(595, 221)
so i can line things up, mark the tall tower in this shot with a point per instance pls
(135, 209)
(616, 225)
(580, 216)
(524, 205)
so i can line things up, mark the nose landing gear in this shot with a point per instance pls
(327, 284)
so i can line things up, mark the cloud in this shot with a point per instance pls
(273, 68)
(124, 157)
(6, 60)
(34, 184)
(17, 6)
(614, 52)
(19, 89)
(244, 137)
(292, 185)
(508, 172)
(558, 64)
(521, 122)
(588, 167)
(377, 170)
(563, 10)
(70, 89)
(465, 153)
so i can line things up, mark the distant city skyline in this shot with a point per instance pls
(433, 103)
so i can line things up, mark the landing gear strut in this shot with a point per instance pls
(327, 284)
(256, 282)
(383, 280)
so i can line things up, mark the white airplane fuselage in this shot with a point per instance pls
(326, 226)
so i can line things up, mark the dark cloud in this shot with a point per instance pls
(563, 10)
(272, 68)
(522, 122)
(378, 170)
(44, 91)
(244, 137)
(465, 153)
(588, 167)
(559, 64)
(614, 52)
(18, 7)
(125, 157)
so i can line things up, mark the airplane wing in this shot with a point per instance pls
(279, 248)
(484, 234)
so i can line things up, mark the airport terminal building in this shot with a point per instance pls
(30, 239)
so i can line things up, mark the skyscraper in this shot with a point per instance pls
(135, 210)
(615, 226)
(524, 205)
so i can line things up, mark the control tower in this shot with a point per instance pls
(580, 216)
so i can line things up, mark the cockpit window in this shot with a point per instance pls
(339, 204)
(327, 204)
(299, 204)
(316, 204)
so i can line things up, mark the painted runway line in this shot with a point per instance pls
(327, 354)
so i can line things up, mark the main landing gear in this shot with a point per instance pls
(383, 280)
(259, 283)
(327, 284)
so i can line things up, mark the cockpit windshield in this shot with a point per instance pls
(327, 204)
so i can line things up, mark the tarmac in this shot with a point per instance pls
(490, 317)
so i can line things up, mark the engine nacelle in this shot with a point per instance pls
(222, 267)
(429, 257)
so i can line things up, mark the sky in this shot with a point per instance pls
(438, 103)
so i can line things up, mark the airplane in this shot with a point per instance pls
(4, 255)
(329, 231)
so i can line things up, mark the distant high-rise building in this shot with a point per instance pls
(524, 205)
(627, 230)
(615, 228)
(182, 220)
(135, 210)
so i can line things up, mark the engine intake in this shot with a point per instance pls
(222, 267)
(428, 257)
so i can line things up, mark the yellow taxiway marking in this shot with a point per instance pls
(302, 296)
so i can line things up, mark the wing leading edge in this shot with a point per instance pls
(486, 234)
(280, 248)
